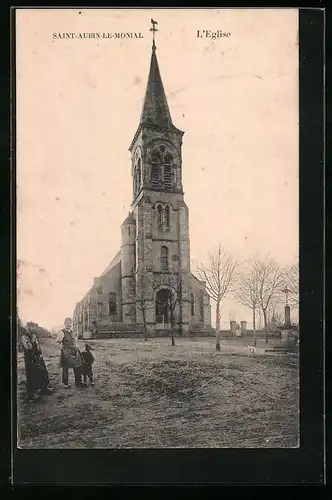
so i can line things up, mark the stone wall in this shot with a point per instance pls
(261, 334)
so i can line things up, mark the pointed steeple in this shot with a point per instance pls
(155, 109)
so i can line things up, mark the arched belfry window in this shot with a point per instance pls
(162, 168)
(137, 173)
(164, 258)
(112, 303)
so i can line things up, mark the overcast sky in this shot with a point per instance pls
(78, 107)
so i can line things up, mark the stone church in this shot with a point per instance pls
(149, 280)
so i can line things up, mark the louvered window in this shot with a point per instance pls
(168, 171)
(155, 168)
(161, 168)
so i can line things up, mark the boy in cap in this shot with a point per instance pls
(87, 366)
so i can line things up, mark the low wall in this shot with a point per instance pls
(118, 335)
(260, 333)
(156, 334)
(137, 332)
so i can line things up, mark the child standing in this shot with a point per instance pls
(87, 366)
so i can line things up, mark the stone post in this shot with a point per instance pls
(87, 335)
(243, 327)
(287, 316)
(233, 327)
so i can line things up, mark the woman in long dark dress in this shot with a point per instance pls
(35, 368)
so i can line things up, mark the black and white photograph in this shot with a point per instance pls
(157, 180)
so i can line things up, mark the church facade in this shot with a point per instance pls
(149, 281)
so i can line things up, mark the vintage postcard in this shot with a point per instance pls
(157, 228)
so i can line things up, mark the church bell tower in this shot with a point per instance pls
(162, 253)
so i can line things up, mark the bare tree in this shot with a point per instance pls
(270, 277)
(173, 298)
(292, 279)
(259, 318)
(274, 317)
(220, 276)
(143, 300)
(247, 293)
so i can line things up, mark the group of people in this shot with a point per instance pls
(38, 382)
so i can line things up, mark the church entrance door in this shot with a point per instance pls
(162, 306)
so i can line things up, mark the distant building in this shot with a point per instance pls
(154, 258)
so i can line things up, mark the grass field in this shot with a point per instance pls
(152, 395)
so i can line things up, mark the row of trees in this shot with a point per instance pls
(257, 284)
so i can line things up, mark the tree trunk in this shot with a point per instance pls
(259, 319)
(180, 304)
(265, 327)
(218, 326)
(144, 326)
(172, 327)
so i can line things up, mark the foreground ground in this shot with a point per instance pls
(151, 395)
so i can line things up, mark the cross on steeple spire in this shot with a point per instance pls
(153, 29)
(155, 109)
